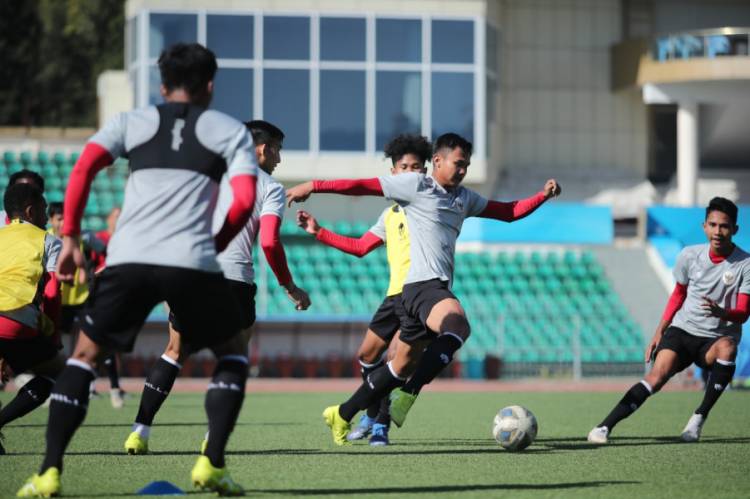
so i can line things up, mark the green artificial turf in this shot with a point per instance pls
(280, 447)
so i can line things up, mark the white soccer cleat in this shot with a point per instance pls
(692, 431)
(116, 398)
(599, 435)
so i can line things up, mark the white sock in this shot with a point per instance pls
(143, 430)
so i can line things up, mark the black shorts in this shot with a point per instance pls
(123, 296)
(689, 348)
(419, 298)
(244, 296)
(23, 354)
(391, 317)
(68, 314)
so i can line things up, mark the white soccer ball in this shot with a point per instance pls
(514, 427)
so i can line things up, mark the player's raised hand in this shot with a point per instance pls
(299, 297)
(299, 193)
(552, 188)
(307, 222)
(70, 260)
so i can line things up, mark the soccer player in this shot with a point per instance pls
(436, 206)
(237, 264)
(702, 321)
(22, 177)
(163, 250)
(408, 153)
(29, 299)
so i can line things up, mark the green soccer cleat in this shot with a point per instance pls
(338, 425)
(45, 485)
(401, 402)
(206, 477)
(136, 444)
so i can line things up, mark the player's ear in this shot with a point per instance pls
(210, 87)
(163, 90)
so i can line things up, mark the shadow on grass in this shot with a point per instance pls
(580, 443)
(128, 425)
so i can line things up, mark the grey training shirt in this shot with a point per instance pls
(721, 282)
(270, 199)
(434, 216)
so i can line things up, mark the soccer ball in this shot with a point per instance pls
(514, 427)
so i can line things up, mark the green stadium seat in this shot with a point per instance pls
(9, 157)
(26, 157)
(73, 157)
(59, 158)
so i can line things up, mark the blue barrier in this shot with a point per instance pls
(554, 222)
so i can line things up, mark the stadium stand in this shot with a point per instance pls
(530, 310)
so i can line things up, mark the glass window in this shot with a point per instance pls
(398, 104)
(453, 104)
(286, 38)
(230, 37)
(233, 93)
(342, 39)
(453, 41)
(342, 110)
(168, 29)
(398, 40)
(154, 81)
(133, 39)
(286, 103)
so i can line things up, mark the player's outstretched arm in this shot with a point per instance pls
(270, 242)
(93, 159)
(347, 187)
(516, 210)
(358, 247)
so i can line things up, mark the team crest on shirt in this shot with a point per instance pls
(459, 204)
(728, 278)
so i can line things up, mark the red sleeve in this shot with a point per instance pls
(515, 210)
(270, 241)
(357, 247)
(243, 190)
(676, 299)
(52, 304)
(93, 158)
(351, 187)
(742, 312)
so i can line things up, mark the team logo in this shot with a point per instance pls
(728, 278)
(459, 203)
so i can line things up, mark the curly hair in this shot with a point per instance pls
(408, 144)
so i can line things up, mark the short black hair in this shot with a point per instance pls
(55, 208)
(33, 176)
(451, 141)
(264, 132)
(18, 196)
(723, 205)
(405, 144)
(187, 65)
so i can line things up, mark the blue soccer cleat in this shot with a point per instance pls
(379, 435)
(363, 428)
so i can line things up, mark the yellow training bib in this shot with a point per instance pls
(21, 264)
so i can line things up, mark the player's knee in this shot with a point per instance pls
(457, 324)
(657, 378)
(726, 348)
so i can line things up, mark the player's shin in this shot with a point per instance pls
(30, 396)
(719, 378)
(435, 358)
(366, 369)
(629, 403)
(224, 398)
(378, 384)
(155, 391)
(67, 410)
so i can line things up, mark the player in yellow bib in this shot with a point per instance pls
(408, 153)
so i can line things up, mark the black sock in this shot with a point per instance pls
(67, 410)
(366, 369)
(379, 383)
(156, 389)
(114, 376)
(384, 412)
(435, 358)
(30, 396)
(721, 375)
(632, 400)
(223, 403)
